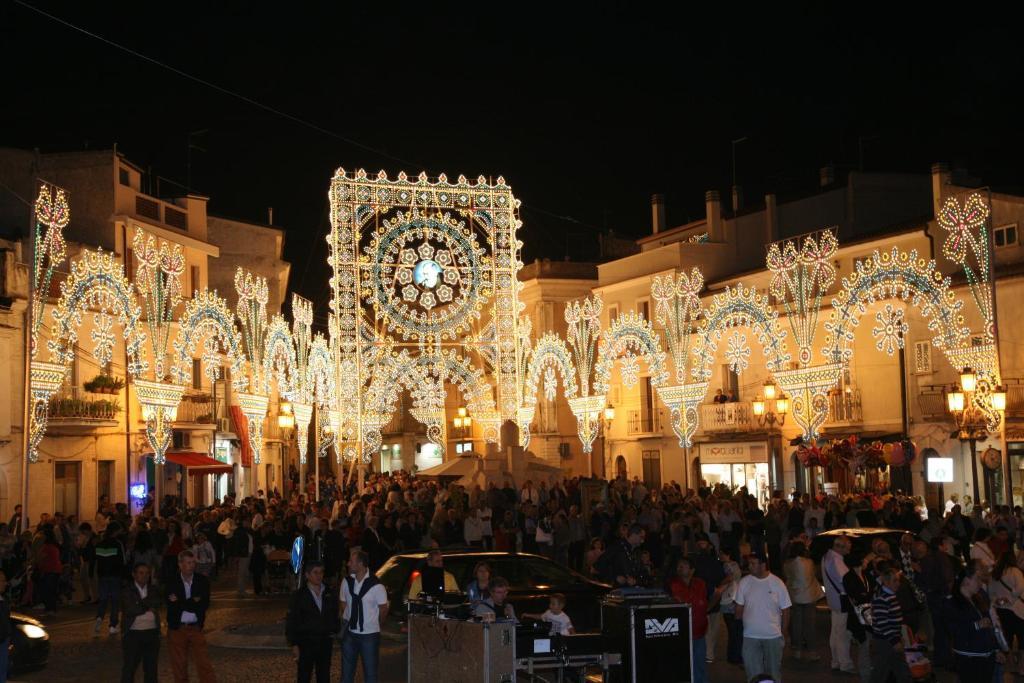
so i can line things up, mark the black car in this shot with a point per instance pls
(532, 580)
(860, 537)
(30, 644)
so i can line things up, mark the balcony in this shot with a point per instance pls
(1014, 397)
(642, 422)
(77, 412)
(196, 411)
(727, 417)
(161, 211)
(844, 408)
(932, 402)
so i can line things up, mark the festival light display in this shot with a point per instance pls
(252, 314)
(159, 266)
(677, 309)
(584, 321)
(302, 398)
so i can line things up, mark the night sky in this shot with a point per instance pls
(586, 114)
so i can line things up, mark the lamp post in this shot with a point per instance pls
(286, 424)
(971, 425)
(462, 425)
(771, 410)
(607, 416)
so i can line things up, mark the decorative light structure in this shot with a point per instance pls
(253, 295)
(159, 266)
(802, 271)
(302, 401)
(677, 309)
(52, 215)
(584, 321)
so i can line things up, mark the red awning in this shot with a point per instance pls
(242, 430)
(196, 463)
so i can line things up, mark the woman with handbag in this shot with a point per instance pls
(804, 592)
(1006, 590)
(975, 648)
(859, 587)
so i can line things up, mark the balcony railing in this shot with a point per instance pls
(641, 422)
(727, 417)
(196, 407)
(69, 407)
(1014, 397)
(844, 407)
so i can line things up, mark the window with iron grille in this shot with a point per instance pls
(147, 207)
(175, 218)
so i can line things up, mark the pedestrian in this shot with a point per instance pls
(206, 558)
(763, 604)
(833, 569)
(50, 569)
(733, 626)
(887, 628)
(241, 544)
(312, 621)
(110, 568)
(859, 587)
(364, 604)
(5, 627)
(970, 625)
(1006, 590)
(140, 604)
(188, 599)
(686, 588)
(804, 592)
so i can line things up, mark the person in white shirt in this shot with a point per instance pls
(554, 615)
(953, 501)
(472, 529)
(364, 605)
(486, 530)
(833, 569)
(206, 557)
(762, 603)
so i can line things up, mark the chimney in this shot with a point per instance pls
(270, 215)
(940, 178)
(827, 175)
(737, 199)
(713, 206)
(657, 213)
(771, 218)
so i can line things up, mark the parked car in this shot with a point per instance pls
(30, 644)
(532, 579)
(861, 537)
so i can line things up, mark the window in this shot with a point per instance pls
(643, 308)
(123, 177)
(193, 281)
(197, 373)
(730, 383)
(647, 421)
(613, 313)
(923, 358)
(181, 440)
(652, 469)
(464, 447)
(1005, 236)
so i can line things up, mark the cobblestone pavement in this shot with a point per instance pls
(77, 655)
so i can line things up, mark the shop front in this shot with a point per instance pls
(737, 464)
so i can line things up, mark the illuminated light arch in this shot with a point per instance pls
(630, 337)
(320, 372)
(279, 364)
(97, 281)
(894, 275)
(740, 307)
(550, 354)
(208, 319)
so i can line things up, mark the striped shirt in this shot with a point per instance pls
(887, 616)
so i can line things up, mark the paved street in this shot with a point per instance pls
(78, 655)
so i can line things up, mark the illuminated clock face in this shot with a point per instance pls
(426, 274)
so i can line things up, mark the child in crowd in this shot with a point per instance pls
(559, 620)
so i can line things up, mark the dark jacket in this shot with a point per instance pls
(305, 622)
(110, 560)
(198, 605)
(963, 620)
(6, 630)
(134, 605)
(857, 593)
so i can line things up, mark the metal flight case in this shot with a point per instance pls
(653, 635)
(455, 651)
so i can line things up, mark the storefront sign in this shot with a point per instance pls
(940, 470)
(737, 451)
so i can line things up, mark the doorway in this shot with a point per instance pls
(66, 480)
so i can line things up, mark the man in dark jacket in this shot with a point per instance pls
(188, 598)
(140, 603)
(312, 620)
(620, 565)
(110, 569)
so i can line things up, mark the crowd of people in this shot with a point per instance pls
(746, 572)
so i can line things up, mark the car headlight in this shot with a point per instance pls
(32, 631)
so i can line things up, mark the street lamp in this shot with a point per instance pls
(770, 412)
(607, 416)
(971, 423)
(462, 424)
